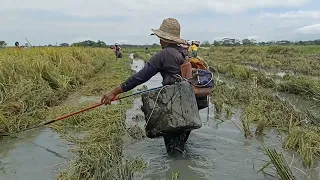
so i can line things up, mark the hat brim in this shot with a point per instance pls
(168, 37)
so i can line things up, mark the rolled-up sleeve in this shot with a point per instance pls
(151, 68)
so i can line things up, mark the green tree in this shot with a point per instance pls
(216, 43)
(3, 43)
(89, 43)
(206, 44)
(100, 44)
(246, 42)
(64, 44)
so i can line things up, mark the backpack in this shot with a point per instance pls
(197, 73)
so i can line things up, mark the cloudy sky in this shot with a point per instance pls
(130, 21)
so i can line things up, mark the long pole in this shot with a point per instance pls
(83, 110)
(28, 42)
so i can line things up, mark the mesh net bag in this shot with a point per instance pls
(172, 108)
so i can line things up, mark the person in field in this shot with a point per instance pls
(167, 61)
(194, 48)
(117, 50)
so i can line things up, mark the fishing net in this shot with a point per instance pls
(172, 108)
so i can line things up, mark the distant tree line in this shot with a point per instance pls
(90, 43)
(223, 42)
(253, 42)
(3, 44)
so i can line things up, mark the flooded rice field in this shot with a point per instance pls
(34, 155)
(272, 71)
(218, 150)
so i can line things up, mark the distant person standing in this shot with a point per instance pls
(16, 44)
(117, 50)
(194, 48)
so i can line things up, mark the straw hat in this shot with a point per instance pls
(196, 42)
(169, 31)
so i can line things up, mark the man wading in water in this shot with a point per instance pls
(167, 62)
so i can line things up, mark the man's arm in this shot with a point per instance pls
(150, 69)
(140, 77)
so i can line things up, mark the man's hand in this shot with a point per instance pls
(108, 97)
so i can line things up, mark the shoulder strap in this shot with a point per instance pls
(184, 55)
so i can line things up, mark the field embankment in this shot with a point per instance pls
(33, 80)
(44, 83)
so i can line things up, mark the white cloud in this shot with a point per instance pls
(122, 41)
(311, 29)
(293, 15)
(253, 37)
(95, 8)
(80, 39)
(143, 15)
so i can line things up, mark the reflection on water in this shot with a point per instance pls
(35, 155)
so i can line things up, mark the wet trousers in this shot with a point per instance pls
(175, 141)
(195, 54)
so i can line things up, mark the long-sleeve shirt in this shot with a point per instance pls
(167, 62)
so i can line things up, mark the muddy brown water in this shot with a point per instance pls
(218, 150)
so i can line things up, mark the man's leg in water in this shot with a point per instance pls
(175, 142)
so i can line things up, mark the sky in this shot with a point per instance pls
(45, 22)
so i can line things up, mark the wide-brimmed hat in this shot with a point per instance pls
(169, 31)
(196, 42)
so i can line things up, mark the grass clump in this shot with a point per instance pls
(301, 85)
(99, 151)
(280, 164)
(306, 142)
(308, 86)
(34, 79)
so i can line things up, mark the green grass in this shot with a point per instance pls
(254, 92)
(32, 80)
(301, 59)
(257, 99)
(278, 161)
(308, 85)
(44, 78)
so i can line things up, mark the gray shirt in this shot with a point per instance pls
(167, 62)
